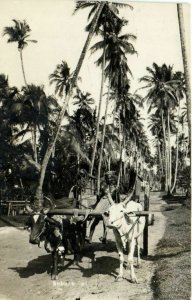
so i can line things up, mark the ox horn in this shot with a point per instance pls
(28, 209)
(110, 198)
(51, 205)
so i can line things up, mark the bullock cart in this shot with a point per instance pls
(73, 229)
(87, 197)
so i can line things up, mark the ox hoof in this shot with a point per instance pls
(75, 262)
(54, 277)
(118, 279)
(103, 240)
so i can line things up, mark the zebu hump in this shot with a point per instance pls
(133, 206)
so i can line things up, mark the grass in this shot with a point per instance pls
(172, 278)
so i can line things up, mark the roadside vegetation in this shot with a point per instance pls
(172, 278)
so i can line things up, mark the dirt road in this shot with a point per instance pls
(25, 268)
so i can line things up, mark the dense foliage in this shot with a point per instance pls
(43, 147)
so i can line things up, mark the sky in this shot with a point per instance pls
(61, 36)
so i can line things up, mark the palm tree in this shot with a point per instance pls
(34, 111)
(19, 33)
(118, 70)
(128, 122)
(3, 85)
(31, 110)
(115, 47)
(83, 118)
(61, 78)
(180, 92)
(108, 22)
(109, 10)
(111, 145)
(155, 127)
(161, 87)
(84, 100)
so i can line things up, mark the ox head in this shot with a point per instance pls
(36, 221)
(113, 217)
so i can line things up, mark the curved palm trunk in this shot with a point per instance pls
(99, 113)
(22, 66)
(87, 43)
(102, 144)
(186, 66)
(38, 195)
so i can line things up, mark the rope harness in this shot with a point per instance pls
(123, 216)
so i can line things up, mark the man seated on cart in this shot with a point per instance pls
(108, 183)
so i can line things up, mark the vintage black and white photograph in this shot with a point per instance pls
(95, 150)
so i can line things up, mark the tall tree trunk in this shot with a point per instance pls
(34, 136)
(102, 143)
(121, 150)
(109, 163)
(123, 161)
(22, 66)
(113, 131)
(114, 113)
(38, 195)
(187, 83)
(165, 150)
(169, 153)
(160, 158)
(185, 65)
(99, 114)
(78, 158)
(177, 152)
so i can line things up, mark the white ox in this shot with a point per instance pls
(127, 229)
